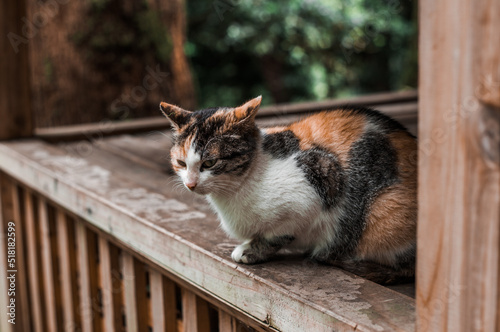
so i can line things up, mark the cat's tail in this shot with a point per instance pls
(381, 274)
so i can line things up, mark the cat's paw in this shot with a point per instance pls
(243, 254)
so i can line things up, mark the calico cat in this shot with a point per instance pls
(340, 184)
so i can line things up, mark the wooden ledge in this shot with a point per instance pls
(402, 105)
(136, 205)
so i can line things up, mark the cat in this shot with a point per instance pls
(341, 185)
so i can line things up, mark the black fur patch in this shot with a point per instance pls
(372, 167)
(281, 144)
(262, 249)
(325, 173)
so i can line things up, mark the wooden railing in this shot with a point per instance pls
(72, 277)
(103, 242)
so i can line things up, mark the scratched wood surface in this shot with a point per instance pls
(459, 180)
(138, 206)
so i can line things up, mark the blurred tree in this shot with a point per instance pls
(292, 50)
(109, 59)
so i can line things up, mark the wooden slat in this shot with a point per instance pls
(195, 316)
(33, 268)
(129, 292)
(459, 160)
(105, 268)
(134, 284)
(15, 88)
(227, 323)
(11, 215)
(67, 266)
(22, 282)
(87, 258)
(4, 283)
(163, 302)
(47, 266)
(189, 314)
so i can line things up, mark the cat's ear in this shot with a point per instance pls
(177, 116)
(248, 110)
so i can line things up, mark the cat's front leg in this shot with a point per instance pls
(259, 249)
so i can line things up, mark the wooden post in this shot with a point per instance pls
(15, 87)
(459, 160)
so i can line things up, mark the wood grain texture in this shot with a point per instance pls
(67, 267)
(47, 266)
(4, 284)
(11, 211)
(178, 233)
(459, 184)
(163, 302)
(195, 315)
(15, 94)
(88, 285)
(33, 268)
(130, 293)
(227, 323)
(106, 276)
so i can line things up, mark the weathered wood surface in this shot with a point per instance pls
(459, 180)
(177, 232)
(400, 105)
(15, 93)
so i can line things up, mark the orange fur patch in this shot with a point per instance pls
(335, 131)
(392, 219)
(180, 151)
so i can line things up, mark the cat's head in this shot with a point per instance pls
(213, 148)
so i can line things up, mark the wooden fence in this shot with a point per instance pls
(73, 277)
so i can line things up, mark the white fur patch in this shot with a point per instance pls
(237, 254)
(276, 199)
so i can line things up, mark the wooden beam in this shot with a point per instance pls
(459, 180)
(400, 105)
(15, 87)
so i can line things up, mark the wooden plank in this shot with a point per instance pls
(459, 161)
(131, 320)
(227, 323)
(33, 268)
(189, 314)
(22, 283)
(134, 284)
(163, 302)
(195, 315)
(47, 264)
(15, 87)
(127, 202)
(16, 267)
(111, 309)
(87, 257)
(5, 325)
(67, 266)
(97, 131)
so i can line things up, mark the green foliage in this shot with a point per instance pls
(294, 50)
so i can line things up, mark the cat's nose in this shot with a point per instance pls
(191, 185)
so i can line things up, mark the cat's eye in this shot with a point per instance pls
(181, 163)
(208, 163)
